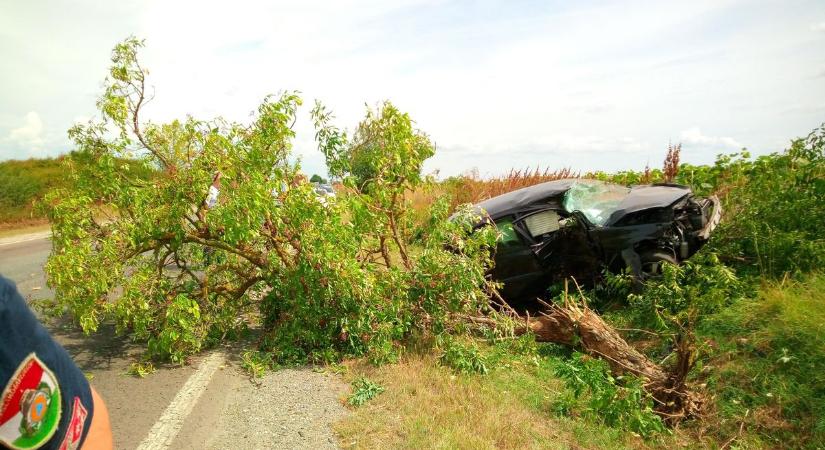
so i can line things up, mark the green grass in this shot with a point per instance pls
(768, 366)
(22, 183)
(430, 405)
(764, 376)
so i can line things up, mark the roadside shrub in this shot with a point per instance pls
(773, 207)
(256, 363)
(614, 401)
(363, 390)
(684, 294)
(668, 311)
(463, 358)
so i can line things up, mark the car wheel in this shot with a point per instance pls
(652, 263)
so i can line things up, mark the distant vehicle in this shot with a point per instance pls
(576, 227)
(323, 191)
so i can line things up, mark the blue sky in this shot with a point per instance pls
(497, 85)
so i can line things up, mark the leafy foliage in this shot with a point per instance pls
(614, 401)
(141, 369)
(256, 363)
(684, 294)
(773, 207)
(382, 162)
(363, 390)
(184, 273)
(463, 358)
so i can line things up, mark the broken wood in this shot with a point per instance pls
(574, 324)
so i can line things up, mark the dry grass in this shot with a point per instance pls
(427, 406)
(471, 188)
(17, 229)
(23, 227)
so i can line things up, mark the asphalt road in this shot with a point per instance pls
(210, 403)
(23, 262)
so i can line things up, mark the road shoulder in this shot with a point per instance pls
(288, 408)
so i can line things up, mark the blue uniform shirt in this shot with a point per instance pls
(46, 400)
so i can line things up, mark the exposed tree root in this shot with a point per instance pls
(578, 326)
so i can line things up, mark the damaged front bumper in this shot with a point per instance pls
(714, 217)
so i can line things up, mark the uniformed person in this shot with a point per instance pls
(46, 401)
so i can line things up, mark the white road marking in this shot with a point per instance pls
(167, 427)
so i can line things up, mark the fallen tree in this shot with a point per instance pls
(572, 323)
(581, 327)
(671, 307)
(226, 234)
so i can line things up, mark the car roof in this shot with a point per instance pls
(519, 199)
(545, 194)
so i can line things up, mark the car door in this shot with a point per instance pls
(517, 265)
(562, 245)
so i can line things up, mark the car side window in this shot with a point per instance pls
(509, 236)
(542, 223)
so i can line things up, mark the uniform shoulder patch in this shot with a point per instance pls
(76, 425)
(30, 406)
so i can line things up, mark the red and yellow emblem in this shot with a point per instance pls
(30, 406)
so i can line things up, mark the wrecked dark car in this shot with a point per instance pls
(577, 227)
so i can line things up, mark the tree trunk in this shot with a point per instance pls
(575, 326)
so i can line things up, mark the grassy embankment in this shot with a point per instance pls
(22, 183)
(513, 406)
(768, 388)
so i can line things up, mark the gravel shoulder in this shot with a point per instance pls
(289, 408)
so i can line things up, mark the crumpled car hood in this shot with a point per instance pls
(647, 197)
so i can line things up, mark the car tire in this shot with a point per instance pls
(652, 263)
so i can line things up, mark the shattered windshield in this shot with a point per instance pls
(597, 200)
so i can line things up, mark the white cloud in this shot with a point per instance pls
(694, 137)
(30, 134)
(818, 26)
(590, 84)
